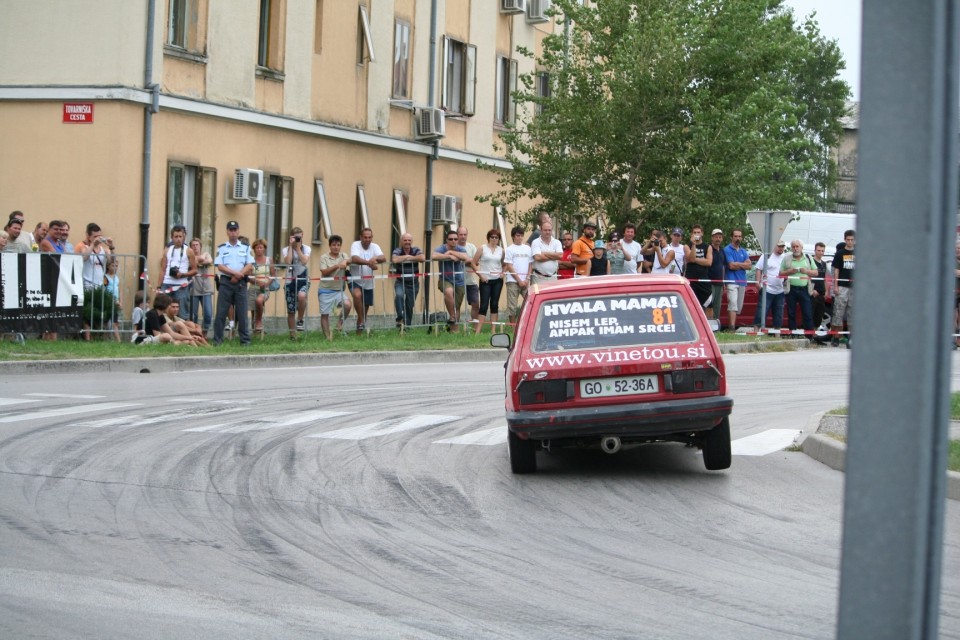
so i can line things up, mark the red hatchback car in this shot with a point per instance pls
(614, 361)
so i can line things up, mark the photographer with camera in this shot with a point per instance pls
(178, 266)
(95, 251)
(297, 255)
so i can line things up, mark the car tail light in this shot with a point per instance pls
(692, 380)
(543, 391)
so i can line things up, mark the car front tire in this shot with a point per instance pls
(523, 454)
(716, 447)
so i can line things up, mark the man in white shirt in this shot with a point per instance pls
(472, 282)
(516, 265)
(631, 249)
(768, 273)
(547, 252)
(365, 258)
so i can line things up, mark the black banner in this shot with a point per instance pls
(41, 292)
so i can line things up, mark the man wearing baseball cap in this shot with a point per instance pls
(233, 264)
(582, 251)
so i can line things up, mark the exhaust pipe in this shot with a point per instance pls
(610, 444)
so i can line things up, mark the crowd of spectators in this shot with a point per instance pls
(469, 279)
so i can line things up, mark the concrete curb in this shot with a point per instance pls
(193, 363)
(832, 452)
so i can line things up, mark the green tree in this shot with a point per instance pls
(670, 112)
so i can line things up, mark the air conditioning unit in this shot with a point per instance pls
(444, 210)
(512, 6)
(248, 185)
(537, 10)
(430, 123)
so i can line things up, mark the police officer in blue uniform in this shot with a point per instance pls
(233, 263)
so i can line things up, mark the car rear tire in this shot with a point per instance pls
(523, 454)
(716, 447)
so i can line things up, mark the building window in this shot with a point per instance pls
(543, 91)
(499, 220)
(177, 24)
(318, 28)
(459, 77)
(186, 25)
(506, 83)
(191, 200)
(364, 41)
(362, 220)
(399, 216)
(321, 214)
(401, 59)
(270, 39)
(274, 215)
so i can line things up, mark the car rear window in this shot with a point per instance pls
(613, 321)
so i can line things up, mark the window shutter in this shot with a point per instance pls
(444, 103)
(511, 114)
(470, 80)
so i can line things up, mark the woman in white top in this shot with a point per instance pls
(488, 263)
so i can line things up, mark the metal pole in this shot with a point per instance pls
(148, 112)
(899, 394)
(428, 207)
(767, 249)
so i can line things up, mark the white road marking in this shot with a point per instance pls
(68, 411)
(8, 401)
(63, 395)
(262, 424)
(485, 437)
(210, 401)
(119, 421)
(760, 444)
(385, 427)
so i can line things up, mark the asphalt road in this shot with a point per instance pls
(377, 502)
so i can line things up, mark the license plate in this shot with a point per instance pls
(624, 386)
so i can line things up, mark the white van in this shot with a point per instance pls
(811, 227)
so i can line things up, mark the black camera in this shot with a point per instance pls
(298, 238)
(174, 272)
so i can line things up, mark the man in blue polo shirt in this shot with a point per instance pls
(735, 275)
(233, 263)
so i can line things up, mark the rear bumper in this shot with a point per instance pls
(641, 420)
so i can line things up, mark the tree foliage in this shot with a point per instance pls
(670, 112)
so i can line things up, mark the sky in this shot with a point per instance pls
(839, 20)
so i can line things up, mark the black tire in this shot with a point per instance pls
(716, 447)
(523, 454)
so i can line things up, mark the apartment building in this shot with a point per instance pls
(330, 115)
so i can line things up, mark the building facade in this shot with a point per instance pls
(138, 114)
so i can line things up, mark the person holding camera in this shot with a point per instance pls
(95, 251)
(178, 266)
(297, 255)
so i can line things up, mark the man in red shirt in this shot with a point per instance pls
(566, 270)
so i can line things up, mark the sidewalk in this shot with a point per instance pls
(822, 445)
